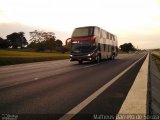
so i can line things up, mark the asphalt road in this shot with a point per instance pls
(48, 90)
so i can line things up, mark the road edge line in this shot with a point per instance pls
(94, 95)
(136, 100)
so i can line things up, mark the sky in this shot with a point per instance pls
(135, 21)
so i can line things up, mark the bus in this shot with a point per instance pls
(92, 43)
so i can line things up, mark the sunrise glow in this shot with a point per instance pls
(136, 21)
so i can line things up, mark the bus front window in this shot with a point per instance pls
(83, 32)
(83, 46)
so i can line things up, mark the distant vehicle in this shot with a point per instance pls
(92, 43)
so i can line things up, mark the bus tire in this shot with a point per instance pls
(80, 61)
(98, 59)
(113, 57)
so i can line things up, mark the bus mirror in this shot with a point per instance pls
(68, 40)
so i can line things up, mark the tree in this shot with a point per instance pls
(23, 39)
(126, 47)
(50, 44)
(59, 43)
(41, 41)
(39, 36)
(68, 46)
(17, 40)
(3, 43)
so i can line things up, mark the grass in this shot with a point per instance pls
(8, 57)
(121, 52)
(156, 55)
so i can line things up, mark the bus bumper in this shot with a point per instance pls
(82, 58)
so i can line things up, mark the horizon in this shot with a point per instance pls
(135, 21)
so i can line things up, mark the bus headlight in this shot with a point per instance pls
(89, 55)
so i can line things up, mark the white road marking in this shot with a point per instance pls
(88, 100)
(90, 66)
(40, 77)
(137, 95)
(18, 83)
(35, 78)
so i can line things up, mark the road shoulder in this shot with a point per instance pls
(136, 100)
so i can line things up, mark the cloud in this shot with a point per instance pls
(8, 28)
(135, 21)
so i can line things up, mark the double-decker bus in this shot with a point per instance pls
(91, 43)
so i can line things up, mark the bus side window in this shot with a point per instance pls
(96, 32)
(107, 35)
(104, 34)
(113, 37)
(102, 47)
(108, 48)
(112, 48)
(110, 36)
(101, 35)
(99, 47)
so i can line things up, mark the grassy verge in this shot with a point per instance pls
(17, 57)
(156, 56)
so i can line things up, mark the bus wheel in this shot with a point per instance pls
(98, 59)
(113, 57)
(80, 61)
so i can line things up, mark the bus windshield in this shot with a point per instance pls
(83, 46)
(83, 32)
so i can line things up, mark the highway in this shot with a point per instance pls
(51, 89)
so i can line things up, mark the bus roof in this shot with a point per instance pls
(96, 27)
(87, 26)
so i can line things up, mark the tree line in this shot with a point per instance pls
(127, 47)
(43, 41)
(14, 40)
(39, 41)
